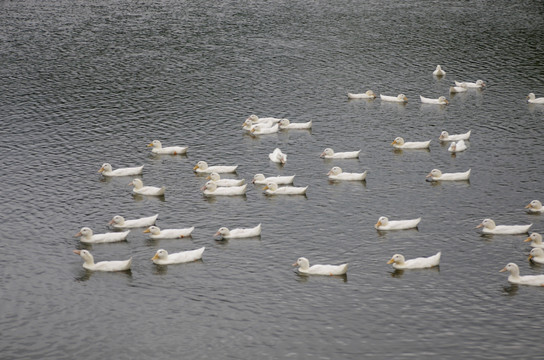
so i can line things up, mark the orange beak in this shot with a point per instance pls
(527, 240)
(78, 234)
(101, 169)
(502, 270)
(77, 252)
(155, 257)
(479, 226)
(528, 206)
(147, 231)
(391, 261)
(196, 167)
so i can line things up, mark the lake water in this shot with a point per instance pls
(88, 82)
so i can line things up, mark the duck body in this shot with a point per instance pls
(162, 257)
(399, 143)
(140, 189)
(400, 98)
(119, 222)
(280, 180)
(249, 124)
(329, 153)
(515, 278)
(445, 136)
(457, 89)
(489, 227)
(385, 224)
(440, 101)
(107, 170)
(336, 173)
(257, 120)
(224, 182)
(437, 175)
(285, 124)
(202, 167)
(305, 268)
(532, 99)
(535, 206)
(272, 188)
(537, 255)
(89, 264)
(536, 240)
(86, 236)
(170, 150)
(259, 129)
(438, 71)
(400, 263)
(225, 233)
(278, 156)
(158, 233)
(474, 85)
(211, 189)
(369, 94)
(458, 146)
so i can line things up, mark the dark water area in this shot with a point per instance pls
(83, 83)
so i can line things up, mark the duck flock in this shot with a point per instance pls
(283, 185)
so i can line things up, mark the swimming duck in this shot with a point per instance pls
(438, 71)
(369, 94)
(170, 150)
(437, 175)
(259, 129)
(399, 143)
(515, 278)
(532, 99)
(278, 157)
(89, 263)
(256, 120)
(336, 173)
(444, 136)
(305, 268)
(140, 189)
(286, 124)
(478, 84)
(163, 258)
(158, 233)
(119, 222)
(456, 147)
(249, 124)
(385, 224)
(202, 167)
(457, 89)
(211, 189)
(400, 98)
(418, 263)
(489, 227)
(535, 206)
(225, 233)
(216, 178)
(280, 180)
(272, 188)
(440, 101)
(86, 236)
(537, 255)
(107, 170)
(329, 153)
(536, 240)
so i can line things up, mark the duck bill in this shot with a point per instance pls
(479, 226)
(528, 206)
(378, 224)
(322, 155)
(428, 175)
(266, 187)
(150, 144)
(77, 252)
(147, 231)
(295, 264)
(101, 169)
(78, 234)
(502, 270)
(196, 167)
(217, 234)
(155, 257)
(530, 257)
(391, 261)
(209, 177)
(527, 240)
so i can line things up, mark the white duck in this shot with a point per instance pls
(329, 153)
(535, 206)
(457, 89)
(489, 227)
(537, 255)
(259, 129)
(399, 262)
(225, 233)
(158, 233)
(532, 99)
(536, 240)
(119, 222)
(369, 94)
(211, 189)
(286, 124)
(216, 178)
(140, 189)
(249, 124)
(399, 143)
(89, 263)
(107, 170)
(272, 188)
(477, 85)
(515, 278)
(445, 136)
(280, 180)
(163, 258)
(456, 147)
(305, 268)
(202, 167)
(256, 120)
(437, 175)
(400, 98)
(440, 101)
(169, 150)
(86, 236)
(438, 71)
(385, 224)
(278, 156)
(336, 173)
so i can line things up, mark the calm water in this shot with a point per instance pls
(84, 83)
